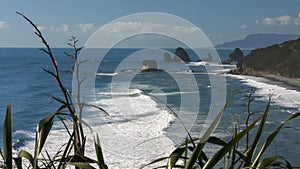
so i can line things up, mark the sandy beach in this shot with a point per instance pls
(294, 82)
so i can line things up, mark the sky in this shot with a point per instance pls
(220, 21)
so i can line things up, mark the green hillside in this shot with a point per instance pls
(280, 59)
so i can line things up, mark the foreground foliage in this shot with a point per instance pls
(190, 154)
(72, 152)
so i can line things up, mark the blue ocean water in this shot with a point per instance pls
(25, 85)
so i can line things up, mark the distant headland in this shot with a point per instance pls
(278, 61)
(254, 41)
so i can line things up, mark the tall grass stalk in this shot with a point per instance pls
(7, 139)
(76, 134)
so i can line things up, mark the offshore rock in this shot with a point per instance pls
(181, 55)
(167, 57)
(150, 65)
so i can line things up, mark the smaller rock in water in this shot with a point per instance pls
(167, 57)
(149, 65)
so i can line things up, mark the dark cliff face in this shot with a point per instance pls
(181, 55)
(280, 59)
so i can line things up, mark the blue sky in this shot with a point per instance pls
(221, 21)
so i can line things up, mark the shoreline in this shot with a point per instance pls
(290, 82)
(293, 83)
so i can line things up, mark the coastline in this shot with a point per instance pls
(284, 91)
(293, 83)
(290, 82)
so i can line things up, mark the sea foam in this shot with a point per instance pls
(132, 135)
(281, 96)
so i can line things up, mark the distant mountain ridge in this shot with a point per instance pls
(254, 41)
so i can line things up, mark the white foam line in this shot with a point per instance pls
(134, 137)
(280, 95)
(107, 74)
(196, 63)
(136, 134)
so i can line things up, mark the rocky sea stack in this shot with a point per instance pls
(150, 65)
(181, 55)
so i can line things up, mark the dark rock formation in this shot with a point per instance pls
(181, 55)
(239, 68)
(235, 56)
(282, 60)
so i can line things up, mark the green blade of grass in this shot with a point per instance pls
(287, 164)
(79, 158)
(267, 162)
(18, 162)
(216, 141)
(188, 141)
(81, 165)
(42, 132)
(1, 153)
(197, 151)
(174, 157)
(154, 161)
(271, 138)
(26, 155)
(186, 149)
(99, 153)
(195, 154)
(214, 123)
(7, 138)
(224, 150)
(235, 147)
(257, 136)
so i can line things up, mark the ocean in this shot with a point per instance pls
(140, 126)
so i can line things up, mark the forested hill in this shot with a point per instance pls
(280, 59)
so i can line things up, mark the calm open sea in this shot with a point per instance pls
(149, 129)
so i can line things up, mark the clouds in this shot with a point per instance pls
(297, 20)
(137, 33)
(281, 20)
(60, 28)
(41, 28)
(268, 21)
(86, 27)
(3, 25)
(118, 29)
(65, 28)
